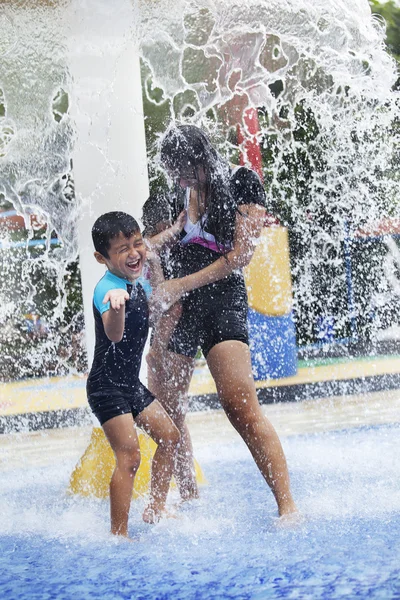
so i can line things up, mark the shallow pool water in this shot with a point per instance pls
(228, 544)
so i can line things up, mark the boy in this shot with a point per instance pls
(157, 215)
(115, 394)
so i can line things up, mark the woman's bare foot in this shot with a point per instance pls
(186, 500)
(124, 537)
(152, 515)
(290, 520)
(190, 495)
(286, 506)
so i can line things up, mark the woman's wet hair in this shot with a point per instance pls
(186, 146)
(109, 226)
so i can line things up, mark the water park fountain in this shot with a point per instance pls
(303, 92)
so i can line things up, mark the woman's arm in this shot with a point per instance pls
(249, 223)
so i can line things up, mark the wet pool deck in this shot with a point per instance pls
(47, 403)
(39, 448)
(344, 484)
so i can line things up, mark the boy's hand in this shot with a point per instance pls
(179, 224)
(116, 298)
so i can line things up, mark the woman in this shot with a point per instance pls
(225, 210)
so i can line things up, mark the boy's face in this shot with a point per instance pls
(126, 256)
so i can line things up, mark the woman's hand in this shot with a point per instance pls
(152, 257)
(165, 295)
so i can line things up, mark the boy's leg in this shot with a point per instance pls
(121, 434)
(155, 421)
(230, 366)
(169, 378)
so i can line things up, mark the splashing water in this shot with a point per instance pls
(36, 138)
(322, 85)
(36, 132)
(320, 79)
(224, 546)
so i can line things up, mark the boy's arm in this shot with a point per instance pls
(156, 277)
(169, 236)
(114, 318)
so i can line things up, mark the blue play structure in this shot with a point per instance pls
(273, 345)
(270, 318)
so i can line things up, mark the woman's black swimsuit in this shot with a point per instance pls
(215, 312)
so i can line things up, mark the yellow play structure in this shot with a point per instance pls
(268, 277)
(270, 318)
(92, 475)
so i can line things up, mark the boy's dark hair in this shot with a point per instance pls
(109, 226)
(156, 209)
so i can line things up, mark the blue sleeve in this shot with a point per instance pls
(100, 291)
(145, 283)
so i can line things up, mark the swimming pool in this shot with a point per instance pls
(228, 544)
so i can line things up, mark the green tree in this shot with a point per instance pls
(391, 13)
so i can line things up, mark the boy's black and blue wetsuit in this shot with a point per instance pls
(113, 386)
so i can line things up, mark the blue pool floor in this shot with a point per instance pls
(226, 545)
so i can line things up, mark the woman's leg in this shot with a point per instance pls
(155, 421)
(121, 433)
(169, 378)
(230, 366)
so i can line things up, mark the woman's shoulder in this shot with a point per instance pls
(246, 186)
(241, 173)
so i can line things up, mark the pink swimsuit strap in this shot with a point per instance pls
(212, 245)
(195, 233)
